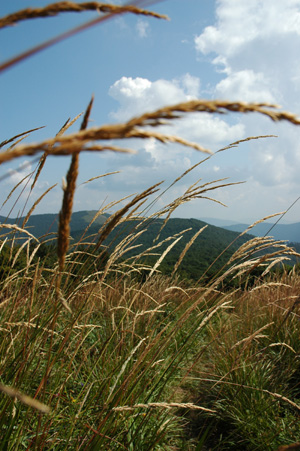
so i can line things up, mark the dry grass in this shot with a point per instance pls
(7, 141)
(186, 248)
(61, 7)
(78, 142)
(40, 47)
(67, 204)
(162, 405)
(16, 394)
(112, 365)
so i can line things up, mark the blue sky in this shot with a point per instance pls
(229, 49)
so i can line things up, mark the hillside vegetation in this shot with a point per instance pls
(206, 256)
(101, 351)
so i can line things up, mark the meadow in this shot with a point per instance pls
(100, 351)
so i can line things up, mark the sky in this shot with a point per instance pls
(237, 50)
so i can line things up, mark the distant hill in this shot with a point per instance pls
(218, 222)
(289, 232)
(205, 250)
(207, 247)
(40, 225)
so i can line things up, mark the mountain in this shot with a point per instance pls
(218, 222)
(206, 249)
(40, 225)
(289, 232)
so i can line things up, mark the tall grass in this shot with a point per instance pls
(100, 351)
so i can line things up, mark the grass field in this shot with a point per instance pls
(107, 354)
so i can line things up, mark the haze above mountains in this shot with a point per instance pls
(289, 232)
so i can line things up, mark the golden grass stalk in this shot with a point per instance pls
(19, 252)
(115, 219)
(40, 47)
(258, 244)
(208, 316)
(78, 142)
(163, 405)
(100, 176)
(15, 187)
(275, 395)
(260, 221)
(7, 141)
(268, 258)
(3, 244)
(160, 116)
(189, 170)
(193, 192)
(250, 138)
(30, 257)
(67, 205)
(36, 204)
(62, 7)
(285, 345)
(17, 229)
(163, 256)
(43, 158)
(256, 334)
(122, 248)
(274, 263)
(64, 149)
(27, 400)
(123, 368)
(292, 447)
(149, 250)
(147, 312)
(269, 285)
(17, 142)
(66, 212)
(32, 325)
(253, 245)
(186, 248)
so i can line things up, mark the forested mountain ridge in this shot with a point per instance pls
(213, 245)
(40, 225)
(205, 250)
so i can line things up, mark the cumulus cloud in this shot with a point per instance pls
(140, 95)
(253, 45)
(241, 23)
(256, 50)
(137, 95)
(246, 85)
(255, 55)
(156, 161)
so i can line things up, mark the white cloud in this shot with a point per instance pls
(191, 85)
(256, 43)
(254, 47)
(142, 28)
(242, 22)
(246, 85)
(140, 95)
(210, 131)
(155, 161)
(17, 175)
(137, 95)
